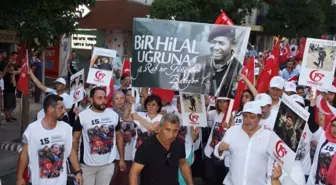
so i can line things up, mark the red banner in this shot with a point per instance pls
(52, 61)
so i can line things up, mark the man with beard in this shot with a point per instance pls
(48, 131)
(98, 164)
(218, 70)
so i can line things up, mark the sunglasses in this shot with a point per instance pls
(167, 159)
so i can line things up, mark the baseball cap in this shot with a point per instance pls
(298, 99)
(263, 99)
(332, 89)
(252, 107)
(277, 82)
(322, 90)
(223, 98)
(290, 87)
(60, 80)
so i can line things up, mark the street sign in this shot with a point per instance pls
(82, 11)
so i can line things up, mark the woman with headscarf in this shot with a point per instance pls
(323, 171)
(120, 104)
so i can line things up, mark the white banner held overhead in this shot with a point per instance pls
(80, 41)
(193, 110)
(77, 86)
(318, 64)
(101, 66)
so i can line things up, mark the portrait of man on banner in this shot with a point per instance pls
(218, 69)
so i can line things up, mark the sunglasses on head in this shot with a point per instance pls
(167, 159)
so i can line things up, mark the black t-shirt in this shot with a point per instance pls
(9, 85)
(160, 166)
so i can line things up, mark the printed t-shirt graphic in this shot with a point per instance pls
(98, 131)
(325, 157)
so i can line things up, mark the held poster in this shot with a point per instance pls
(77, 86)
(318, 64)
(187, 56)
(193, 110)
(288, 130)
(101, 66)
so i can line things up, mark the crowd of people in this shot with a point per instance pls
(128, 135)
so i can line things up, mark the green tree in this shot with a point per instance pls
(40, 19)
(293, 18)
(202, 10)
(330, 17)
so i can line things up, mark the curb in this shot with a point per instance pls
(9, 146)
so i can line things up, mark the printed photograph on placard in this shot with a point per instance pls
(290, 132)
(289, 126)
(187, 56)
(321, 57)
(101, 66)
(77, 86)
(193, 109)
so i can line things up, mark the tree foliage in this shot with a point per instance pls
(40, 19)
(295, 18)
(202, 10)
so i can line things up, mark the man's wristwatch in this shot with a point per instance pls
(79, 171)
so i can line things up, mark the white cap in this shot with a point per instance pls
(260, 53)
(223, 98)
(252, 107)
(322, 90)
(277, 82)
(290, 87)
(60, 80)
(298, 99)
(263, 99)
(332, 89)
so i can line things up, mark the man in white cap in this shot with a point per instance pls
(246, 149)
(60, 86)
(268, 115)
(290, 88)
(277, 84)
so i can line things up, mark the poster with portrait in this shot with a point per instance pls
(318, 63)
(101, 66)
(193, 110)
(289, 126)
(189, 57)
(77, 86)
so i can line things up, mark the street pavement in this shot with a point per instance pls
(8, 133)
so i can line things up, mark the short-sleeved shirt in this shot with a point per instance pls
(67, 100)
(160, 166)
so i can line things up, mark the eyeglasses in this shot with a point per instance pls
(167, 159)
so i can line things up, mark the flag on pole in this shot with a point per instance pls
(301, 49)
(110, 92)
(285, 53)
(223, 18)
(23, 81)
(270, 70)
(126, 69)
(248, 71)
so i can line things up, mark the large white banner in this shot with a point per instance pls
(288, 130)
(101, 66)
(318, 64)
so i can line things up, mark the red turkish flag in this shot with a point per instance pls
(126, 69)
(223, 18)
(301, 49)
(286, 53)
(109, 92)
(164, 94)
(270, 70)
(22, 84)
(293, 78)
(248, 71)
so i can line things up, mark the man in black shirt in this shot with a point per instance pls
(157, 160)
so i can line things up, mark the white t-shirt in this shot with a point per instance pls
(128, 130)
(238, 120)
(141, 132)
(296, 177)
(216, 134)
(67, 100)
(48, 151)
(269, 122)
(99, 137)
(277, 106)
(169, 108)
